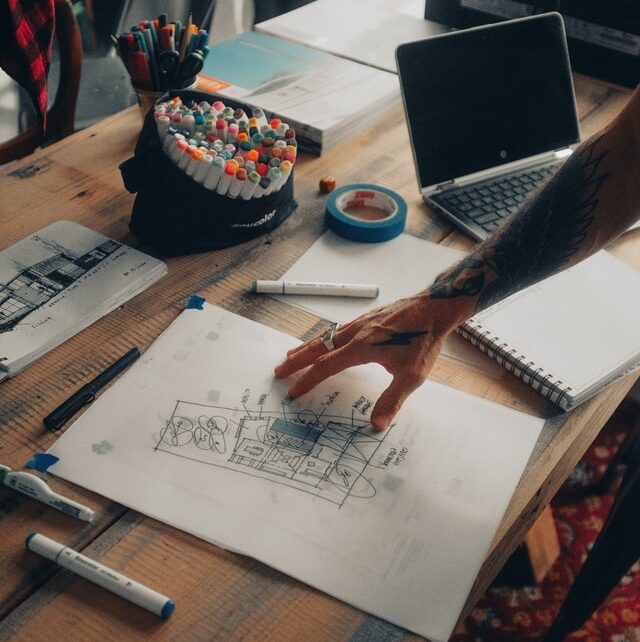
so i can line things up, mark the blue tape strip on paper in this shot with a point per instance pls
(194, 302)
(42, 461)
(364, 231)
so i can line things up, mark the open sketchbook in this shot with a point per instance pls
(326, 99)
(200, 435)
(570, 335)
(357, 29)
(58, 281)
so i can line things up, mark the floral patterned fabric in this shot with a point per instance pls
(524, 614)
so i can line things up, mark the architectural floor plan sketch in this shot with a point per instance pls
(317, 453)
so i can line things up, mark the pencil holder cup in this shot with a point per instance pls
(176, 215)
(147, 98)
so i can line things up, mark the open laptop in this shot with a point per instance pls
(492, 115)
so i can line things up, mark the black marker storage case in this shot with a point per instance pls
(175, 214)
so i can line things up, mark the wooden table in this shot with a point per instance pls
(221, 595)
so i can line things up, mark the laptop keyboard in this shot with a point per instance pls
(489, 203)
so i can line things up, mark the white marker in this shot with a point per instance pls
(162, 123)
(216, 169)
(203, 169)
(185, 159)
(170, 141)
(320, 289)
(189, 122)
(101, 575)
(37, 488)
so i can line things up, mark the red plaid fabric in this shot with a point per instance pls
(26, 43)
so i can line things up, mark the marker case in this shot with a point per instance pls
(176, 215)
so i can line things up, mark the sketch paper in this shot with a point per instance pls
(58, 281)
(200, 435)
(399, 267)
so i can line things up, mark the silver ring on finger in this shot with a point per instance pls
(327, 337)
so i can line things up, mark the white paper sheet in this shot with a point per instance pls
(399, 267)
(198, 434)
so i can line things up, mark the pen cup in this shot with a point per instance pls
(147, 98)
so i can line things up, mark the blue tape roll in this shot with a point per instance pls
(352, 227)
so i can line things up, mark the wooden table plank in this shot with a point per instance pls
(221, 595)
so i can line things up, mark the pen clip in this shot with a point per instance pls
(66, 410)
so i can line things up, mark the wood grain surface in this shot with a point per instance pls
(221, 595)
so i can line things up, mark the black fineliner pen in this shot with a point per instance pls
(87, 393)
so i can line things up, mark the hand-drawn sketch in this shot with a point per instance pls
(34, 285)
(324, 455)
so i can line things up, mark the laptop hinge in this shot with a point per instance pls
(482, 175)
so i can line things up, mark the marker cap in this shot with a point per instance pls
(43, 546)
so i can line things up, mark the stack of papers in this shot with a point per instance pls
(326, 99)
(58, 281)
(357, 29)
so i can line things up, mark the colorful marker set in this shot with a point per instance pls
(226, 150)
(161, 55)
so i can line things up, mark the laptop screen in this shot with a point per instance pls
(486, 96)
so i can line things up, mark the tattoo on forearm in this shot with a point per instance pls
(400, 338)
(466, 278)
(544, 235)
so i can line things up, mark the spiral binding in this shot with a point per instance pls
(540, 380)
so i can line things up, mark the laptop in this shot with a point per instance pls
(492, 115)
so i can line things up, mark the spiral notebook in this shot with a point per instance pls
(570, 335)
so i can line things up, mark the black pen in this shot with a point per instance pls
(87, 393)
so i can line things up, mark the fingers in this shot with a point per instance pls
(304, 356)
(391, 400)
(325, 367)
(308, 353)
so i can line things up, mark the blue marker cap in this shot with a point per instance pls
(168, 609)
(29, 537)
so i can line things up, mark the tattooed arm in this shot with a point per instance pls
(592, 199)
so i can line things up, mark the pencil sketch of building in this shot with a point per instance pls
(326, 456)
(36, 284)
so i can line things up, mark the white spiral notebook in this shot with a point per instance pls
(570, 335)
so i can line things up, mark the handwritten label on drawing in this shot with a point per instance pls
(394, 457)
(133, 268)
(329, 399)
(362, 405)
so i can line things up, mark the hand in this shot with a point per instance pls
(404, 337)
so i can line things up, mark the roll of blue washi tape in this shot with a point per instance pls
(366, 213)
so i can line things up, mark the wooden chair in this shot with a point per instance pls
(60, 116)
